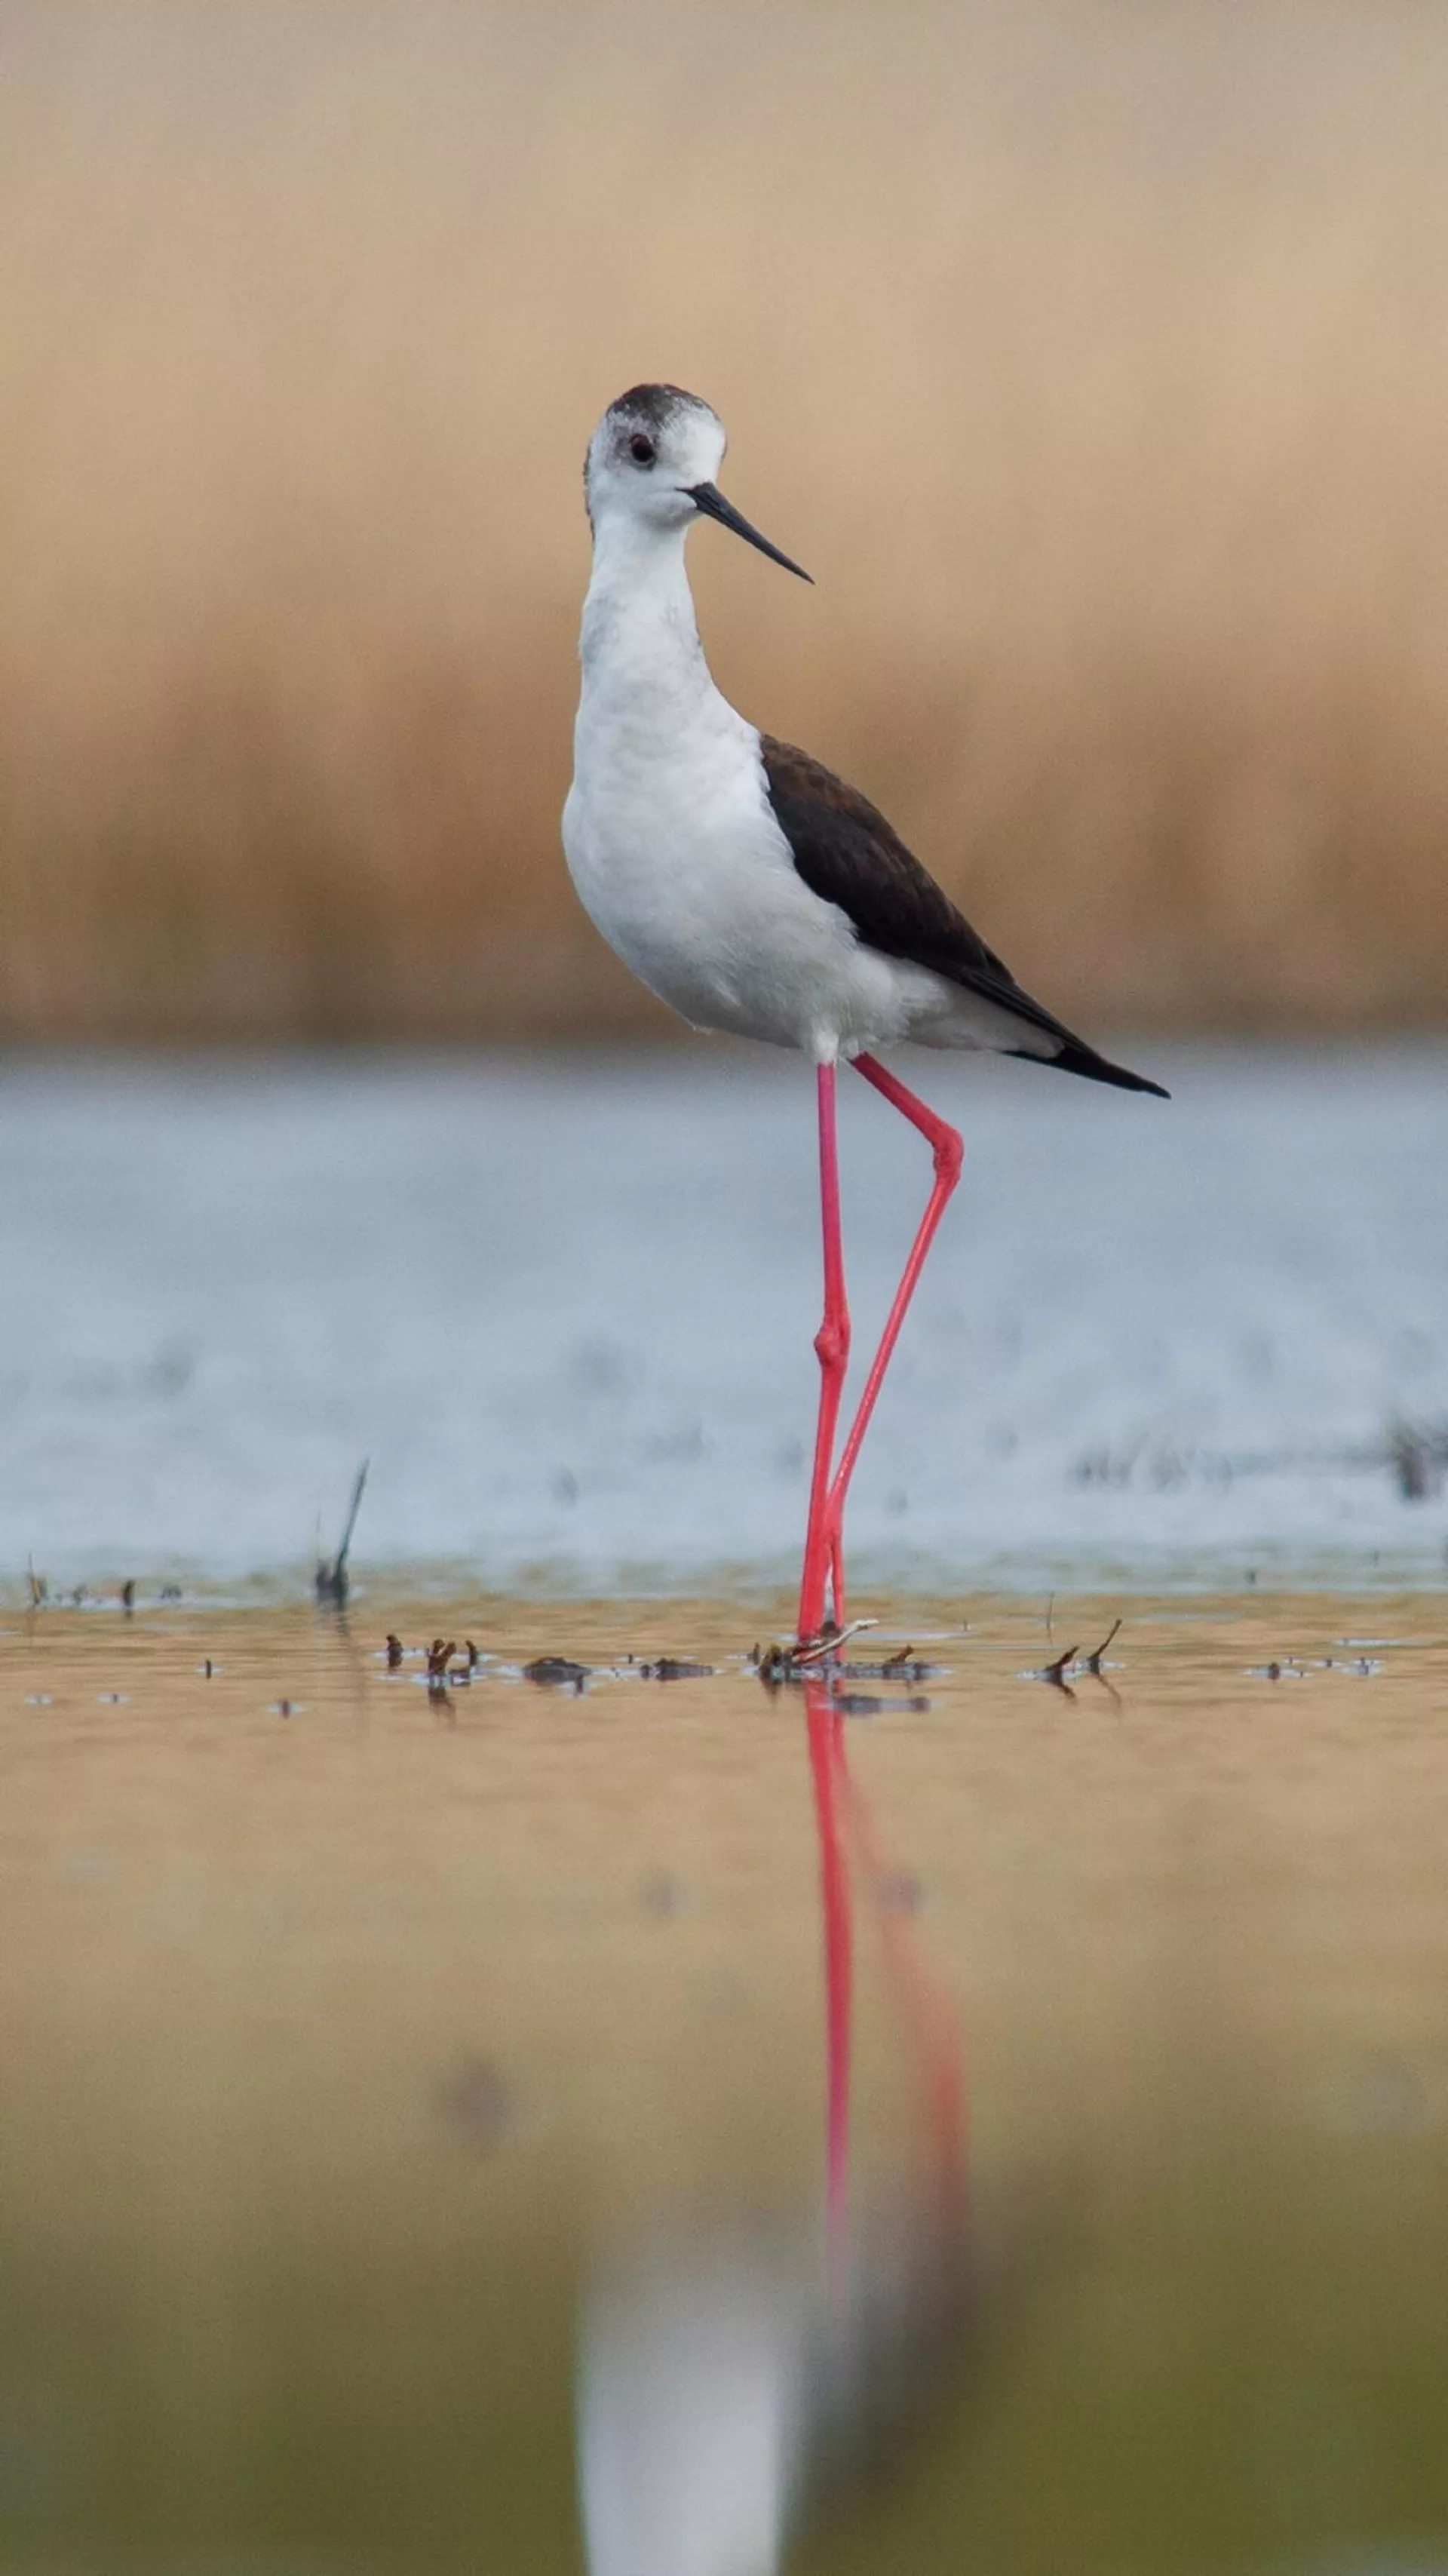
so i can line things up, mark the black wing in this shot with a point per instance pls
(849, 856)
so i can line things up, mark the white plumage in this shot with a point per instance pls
(670, 835)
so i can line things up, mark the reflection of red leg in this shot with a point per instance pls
(827, 1763)
(931, 2019)
(832, 1342)
(948, 1151)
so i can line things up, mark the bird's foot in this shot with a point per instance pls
(827, 1641)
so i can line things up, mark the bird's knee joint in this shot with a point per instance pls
(832, 1344)
(949, 1155)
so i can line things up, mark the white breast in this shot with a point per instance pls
(678, 858)
(675, 850)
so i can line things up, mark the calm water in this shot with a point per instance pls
(659, 2127)
(649, 2124)
(566, 1309)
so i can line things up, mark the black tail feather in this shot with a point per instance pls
(1074, 1057)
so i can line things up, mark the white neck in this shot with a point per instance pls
(639, 629)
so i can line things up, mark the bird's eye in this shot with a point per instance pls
(641, 449)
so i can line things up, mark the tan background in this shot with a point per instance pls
(1092, 357)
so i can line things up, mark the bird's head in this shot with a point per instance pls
(653, 459)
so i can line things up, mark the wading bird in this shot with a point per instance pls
(756, 893)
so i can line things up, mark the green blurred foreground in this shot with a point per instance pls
(355, 2034)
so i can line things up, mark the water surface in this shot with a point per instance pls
(678, 2127)
(566, 1309)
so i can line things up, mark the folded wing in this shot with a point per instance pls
(850, 856)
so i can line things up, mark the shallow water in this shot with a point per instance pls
(566, 1309)
(672, 2128)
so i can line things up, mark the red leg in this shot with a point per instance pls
(831, 1786)
(832, 1342)
(948, 1151)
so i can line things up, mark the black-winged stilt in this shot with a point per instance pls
(755, 892)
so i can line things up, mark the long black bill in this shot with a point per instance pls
(708, 498)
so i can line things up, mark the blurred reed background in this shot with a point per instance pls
(1089, 352)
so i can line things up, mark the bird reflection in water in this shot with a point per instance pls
(725, 2382)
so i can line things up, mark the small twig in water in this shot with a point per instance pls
(1093, 1662)
(331, 1580)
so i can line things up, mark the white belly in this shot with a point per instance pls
(682, 866)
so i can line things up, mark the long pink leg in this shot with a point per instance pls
(832, 1342)
(948, 1151)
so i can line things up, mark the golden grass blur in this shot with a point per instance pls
(1088, 353)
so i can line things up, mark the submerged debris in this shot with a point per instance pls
(556, 1672)
(1067, 1667)
(819, 1650)
(818, 1659)
(789, 1663)
(673, 1668)
(892, 1670)
(443, 1674)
